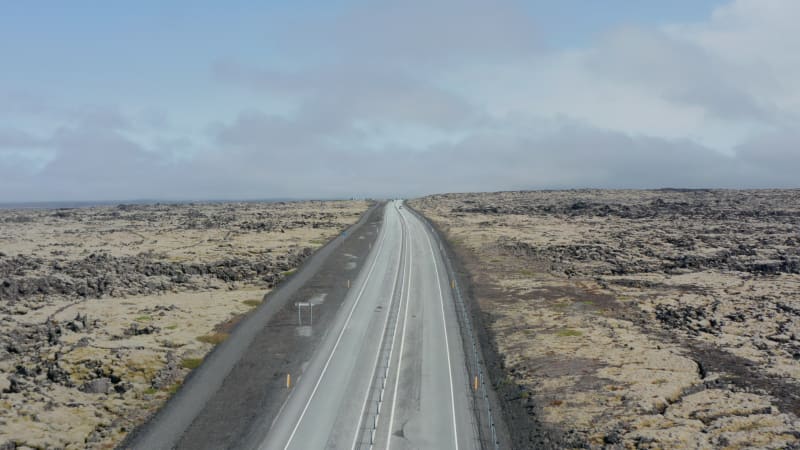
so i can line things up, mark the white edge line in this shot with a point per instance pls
(385, 324)
(446, 341)
(336, 345)
(402, 345)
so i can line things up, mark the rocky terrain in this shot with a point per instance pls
(104, 310)
(638, 319)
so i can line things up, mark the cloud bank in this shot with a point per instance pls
(407, 99)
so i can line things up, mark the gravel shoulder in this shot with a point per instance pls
(636, 319)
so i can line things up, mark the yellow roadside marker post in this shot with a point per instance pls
(452, 284)
(475, 384)
(288, 381)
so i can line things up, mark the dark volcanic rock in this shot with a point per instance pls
(16, 385)
(136, 329)
(101, 274)
(169, 374)
(57, 375)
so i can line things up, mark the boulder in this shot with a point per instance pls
(97, 386)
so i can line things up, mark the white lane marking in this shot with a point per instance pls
(407, 273)
(402, 345)
(338, 339)
(403, 244)
(446, 342)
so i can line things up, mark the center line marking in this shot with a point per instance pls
(400, 260)
(338, 339)
(402, 345)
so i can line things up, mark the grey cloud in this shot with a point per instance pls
(397, 33)
(11, 138)
(682, 72)
(154, 119)
(577, 156)
(13, 103)
(256, 166)
(395, 99)
(21, 154)
(232, 72)
(336, 94)
(254, 129)
(723, 101)
(774, 156)
(103, 117)
(571, 155)
(98, 161)
(21, 104)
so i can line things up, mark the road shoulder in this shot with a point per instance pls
(480, 349)
(219, 405)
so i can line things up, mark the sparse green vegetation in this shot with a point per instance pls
(144, 318)
(567, 332)
(505, 381)
(174, 388)
(252, 303)
(213, 338)
(191, 363)
(747, 426)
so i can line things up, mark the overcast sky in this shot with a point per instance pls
(338, 98)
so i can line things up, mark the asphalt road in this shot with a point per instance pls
(380, 366)
(232, 398)
(390, 372)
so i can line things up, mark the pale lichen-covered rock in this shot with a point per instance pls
(97, 386)
(640, 319)
(95, 298)
(5, 383)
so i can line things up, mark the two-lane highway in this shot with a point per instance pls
(391, 372)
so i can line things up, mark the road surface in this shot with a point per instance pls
(390, 372)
